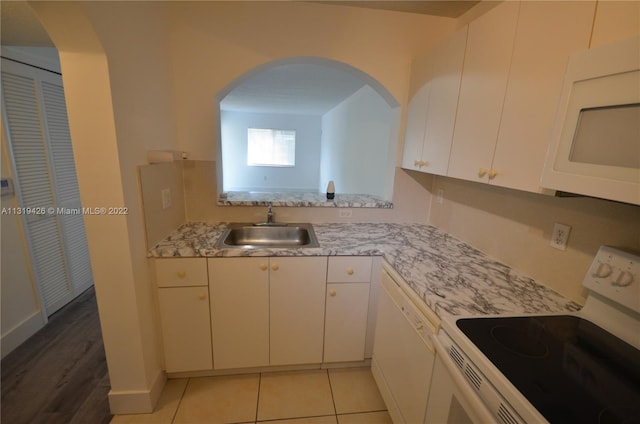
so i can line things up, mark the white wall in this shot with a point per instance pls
(213, 43)
(356, 134)
(238, 176)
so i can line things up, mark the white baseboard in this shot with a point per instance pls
(137, 401)
(21, 332)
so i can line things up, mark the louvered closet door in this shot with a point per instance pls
(44, 172)
(66, 184)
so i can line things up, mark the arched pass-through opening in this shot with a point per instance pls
(343, 122)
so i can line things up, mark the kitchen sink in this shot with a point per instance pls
(249, 236)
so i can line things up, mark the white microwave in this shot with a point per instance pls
(594, 148)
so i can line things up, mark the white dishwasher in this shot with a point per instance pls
(403, 353)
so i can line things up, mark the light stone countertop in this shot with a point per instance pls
(449, 275)
(295, 199)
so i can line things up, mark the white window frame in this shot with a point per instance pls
(278, 148)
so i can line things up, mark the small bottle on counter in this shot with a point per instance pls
(331, 190)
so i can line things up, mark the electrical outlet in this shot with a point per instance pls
(166, 198)
(560, 236)
(345, 213)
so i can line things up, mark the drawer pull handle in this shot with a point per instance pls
(263, 267)
(350, 271)
(332, 293)
(275, 267)
(182, 274)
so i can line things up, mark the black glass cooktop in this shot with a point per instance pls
(571, 370)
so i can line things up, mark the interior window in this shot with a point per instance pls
(270, 147)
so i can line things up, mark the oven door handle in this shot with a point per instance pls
(481, 413)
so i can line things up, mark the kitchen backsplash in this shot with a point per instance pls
(515, 227)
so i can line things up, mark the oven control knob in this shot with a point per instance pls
(624, 279)
(603, 270)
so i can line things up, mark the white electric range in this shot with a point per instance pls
(579, 367)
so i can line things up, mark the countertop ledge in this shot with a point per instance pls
(449, 275)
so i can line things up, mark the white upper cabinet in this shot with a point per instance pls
(493, 123)
(432, 108)
(548, 32)
(443, 102)
(417, 112)
(482, 91)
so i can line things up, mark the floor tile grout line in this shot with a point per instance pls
(258, 397)
(296, 418)
(333, 399)
(175, 413)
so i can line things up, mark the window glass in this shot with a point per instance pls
(269, 147)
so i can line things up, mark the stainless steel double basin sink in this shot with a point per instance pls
(265, 235)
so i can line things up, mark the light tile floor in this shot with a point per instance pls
(335, 396)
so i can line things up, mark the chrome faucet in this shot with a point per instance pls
(269, 214)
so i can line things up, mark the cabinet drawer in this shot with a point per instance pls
(349, 269)
(181, 272)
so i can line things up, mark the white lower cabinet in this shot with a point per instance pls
(186, 334)
(296, 315)
(183, 307)
(267, 311)
(347, 308)
(252, 312)
(239, 312)
(346, 322)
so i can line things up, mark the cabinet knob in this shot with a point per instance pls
(182, 274)
(482, 172)
(419, 163)
(263, 267)
(332, 293)
(492, 174)
(274, 267)
(350, 271)
(202, 296)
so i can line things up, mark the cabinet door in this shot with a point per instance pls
(414, 133)
(548, 32)
(186, 331)
(297, 289)
(482, 90)
(182, 272)
(443, 103)
(239, 312)
(346, 321)
(349, 269)
(421, 71)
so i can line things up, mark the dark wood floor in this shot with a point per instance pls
(60, 374)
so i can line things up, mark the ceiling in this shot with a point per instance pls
(298, 89)
(19, 26)
(444, 8)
